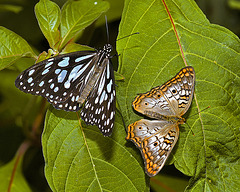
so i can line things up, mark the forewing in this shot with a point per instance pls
(155, 140)
(99, 108)
(59, 79)
(173, 98)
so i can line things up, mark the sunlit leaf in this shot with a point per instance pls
(48, 16)
(151, 58)
(12, 48)
(77, 15)
(79, 158)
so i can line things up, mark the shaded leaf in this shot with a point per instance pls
(79, 158)
(12, 48)
(211, 157)
(11, 176)
(48, 16)
(72, 47)
(166, 183)
(77, 15)
(234, 4)
(12, 8)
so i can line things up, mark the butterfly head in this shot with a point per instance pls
(107, 49)
(181, 120)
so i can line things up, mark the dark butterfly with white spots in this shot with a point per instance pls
(68, 80)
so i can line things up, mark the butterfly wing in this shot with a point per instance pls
(173, 98)
(60, 79)
(155, 140)
(99, 108)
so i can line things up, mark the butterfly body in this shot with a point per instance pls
(68, 80)
(166, 104)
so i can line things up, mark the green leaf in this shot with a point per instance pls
(11, 8)
(48, 16)
(114, 12)
(11, 176)
(118, 76)
(72, 47)
(234, 4)
(77, 15)
(79, 158)
(12, 48)
(149, 59)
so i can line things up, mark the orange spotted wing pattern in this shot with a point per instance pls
(167, 103)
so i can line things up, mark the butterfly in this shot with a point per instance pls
(68, 80)
(167, 104)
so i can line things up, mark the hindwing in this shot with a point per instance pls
(155, 139)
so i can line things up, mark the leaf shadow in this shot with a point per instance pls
(90, 134)
(104, 144)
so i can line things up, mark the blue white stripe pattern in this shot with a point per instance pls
(69, 80)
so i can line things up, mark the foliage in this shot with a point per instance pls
(77, 157)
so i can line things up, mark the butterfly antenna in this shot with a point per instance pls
(107, 28)
(200, 111)
(127, 36)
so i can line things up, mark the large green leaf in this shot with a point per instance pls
(77, 15)
(79, 158)
(151, 58)
(12, 48)
(48, 16)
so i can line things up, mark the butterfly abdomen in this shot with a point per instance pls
(90, 84)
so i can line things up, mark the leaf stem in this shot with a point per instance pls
(21, 151)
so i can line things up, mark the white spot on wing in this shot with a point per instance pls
(29, 73)
(111, 116)
(51, 59)
(102, 97)
(52, 85)
(73, 99)
(41, 84)
(64, 62)
(96, 100)
(82, 58)
(62, 76)
(109, 85)
(102, 82)
(48, 65)
(56, 89)
(67, 85)
(108, 72)
(30, 80)
(45, 71)
(57, 71)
